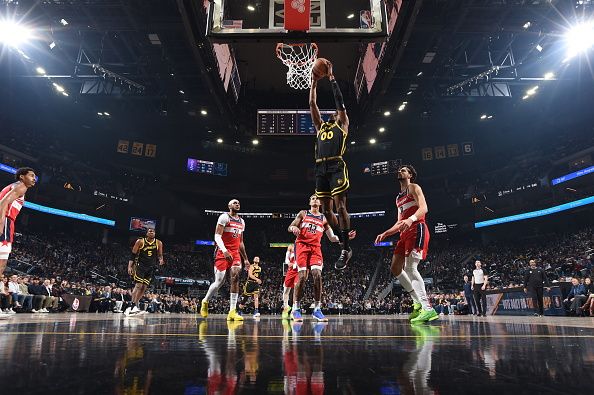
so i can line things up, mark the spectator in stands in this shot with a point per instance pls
(468, 296)
(588, 306)
(15, 292)
(5, 297)
(575, 297)
(50, 300)
(39, 296)
(28, 298)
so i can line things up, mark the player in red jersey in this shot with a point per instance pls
(309, 227)
(229, 254)
(12, 199)
(413, 243)
(290, 280)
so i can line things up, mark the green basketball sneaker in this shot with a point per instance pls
(425, 316)
(285, 314)
(416, 311)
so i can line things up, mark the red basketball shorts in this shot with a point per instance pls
(414, 241)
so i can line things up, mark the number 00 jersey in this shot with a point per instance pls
(147, 254)
(331, 140)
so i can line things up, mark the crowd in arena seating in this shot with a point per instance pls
(51, 265)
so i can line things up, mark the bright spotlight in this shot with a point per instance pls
(351, 16)
(387, 113)
(65, 94)
(59, 88)
(484, 116)
(40, 70)
(255, 142)
(580, 38)
(219, 140)
(549, 76)
(100, 114)
(180, 91)
(251, 8)
(371, 141)
(527, 25)
(106, 113)
(203, 112)
(408, 93)
(525, 97)
(532, 91)
(420, 73)
(52, 45)
(63, 21)
(352, 143)
(13, 34)
(539, 48)
(402, 107)
(381, 130)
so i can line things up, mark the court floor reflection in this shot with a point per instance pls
(177, 354)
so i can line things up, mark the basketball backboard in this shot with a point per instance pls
(265, 20)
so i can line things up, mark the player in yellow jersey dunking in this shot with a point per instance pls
(332, 176)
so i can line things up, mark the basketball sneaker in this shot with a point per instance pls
(425, 316)
(343, 259)
(296, 315)
(416, 311)
(319, 316)
(135, 311)
(234, 316)
(204, 308)
(285, 314)
(256, 314)
(202, 330)
(126, 312)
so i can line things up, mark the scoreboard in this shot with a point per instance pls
(287, 122)
(207, 167)
(384, 167)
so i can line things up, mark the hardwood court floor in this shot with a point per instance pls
(179, 354)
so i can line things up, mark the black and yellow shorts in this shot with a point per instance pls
(143, 274)
(332, 178)
(251, 288)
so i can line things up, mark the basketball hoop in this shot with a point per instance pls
(299, 58)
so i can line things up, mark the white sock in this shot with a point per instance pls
(418, 285)
(406, 284)
(286, 293)
(233, 301)
(214, 287)
(318, 306)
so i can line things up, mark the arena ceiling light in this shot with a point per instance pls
(52, 45)
(13, 34)
(351, 16)
(527, 25)
(420, 73)
(203, 112)
(64, 22)
(251, 8)
(532, 90)
(387, 113)
(255, 142)
(539, 48)
(484, 116)
(65, 94)
(579, 38)
(40, 70)
(182, 92)
(352, 142)
(372, 141)
(219, 140)
(382, 130)
(549, 76)
(59, 88)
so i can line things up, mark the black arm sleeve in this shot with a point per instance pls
(337, 96)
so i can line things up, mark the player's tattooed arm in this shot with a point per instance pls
(160, 252)
(294, 227)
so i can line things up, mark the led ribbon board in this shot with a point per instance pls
(571, 176)
(69, 214)
(537, 213)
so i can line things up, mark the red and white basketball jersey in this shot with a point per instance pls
(312, 229)
(14, 209)
(290, 260)
(405, 202)
(234, 228)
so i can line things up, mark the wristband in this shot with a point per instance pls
(219, 241)
(413, 218)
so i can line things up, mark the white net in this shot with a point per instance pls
(299, 58)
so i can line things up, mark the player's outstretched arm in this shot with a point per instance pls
(294, 227)
(137, 246)
(316, 117)
(343, 118)
(160, 252)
